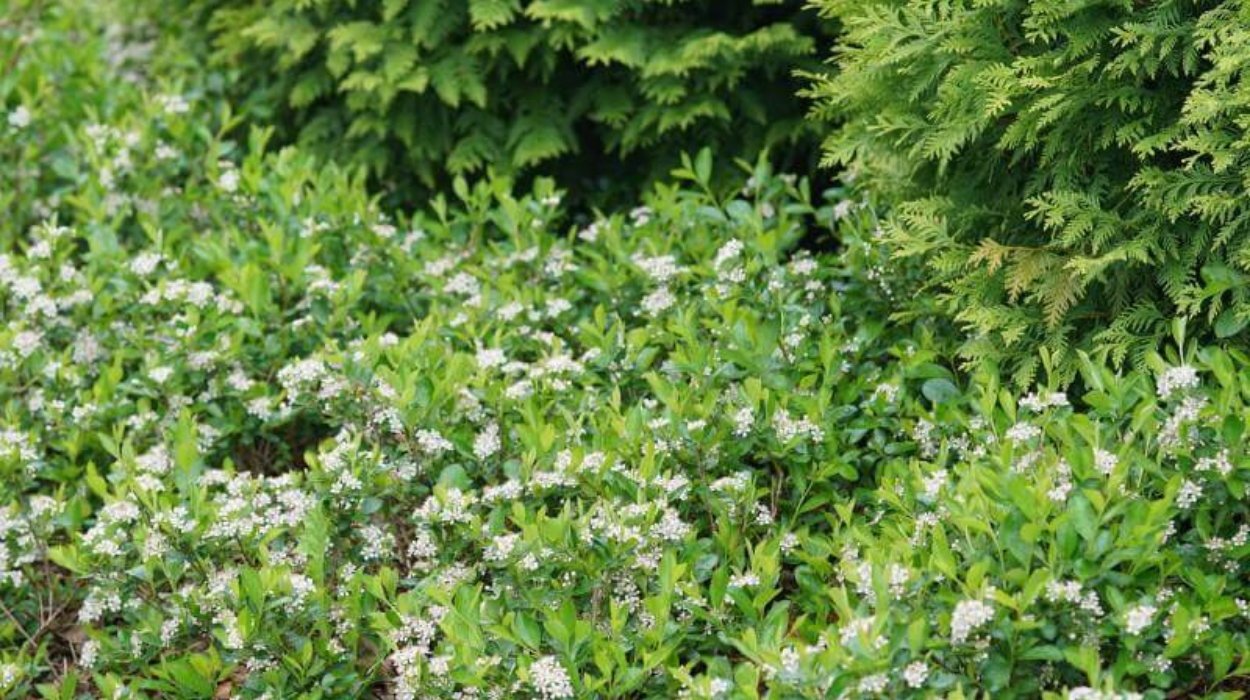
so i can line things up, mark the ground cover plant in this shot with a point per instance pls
(264, 436)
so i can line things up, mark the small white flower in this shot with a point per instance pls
(1139, 618)
(968, 616)
(876, 683)
(1188, 495)
(27, 342)
(432, 443)
(1087, 693)
(89, 653)
(1063, 483)
(886, 391)
(1038, 402)
(1219, 463)
(489, 358)
(173, 104)
(19, 118)
(744, 422)
(789, 542)
(728, 252)
(658, 301)
(916, 673)
(1104, 461)
(302, 587)
(228, 181)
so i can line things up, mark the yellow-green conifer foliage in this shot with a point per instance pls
(1074, 173)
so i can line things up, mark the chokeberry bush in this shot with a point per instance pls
(262, 437)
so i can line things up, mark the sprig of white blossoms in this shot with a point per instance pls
(1040, 401)
(968, 616)
(1177, 379)
(916, 673)
(19, 117)
(1023, 432)
(1105, 462)
(487, 442)
(1139, 618)
(1189, 494)
(550, 679)
(1087, 693)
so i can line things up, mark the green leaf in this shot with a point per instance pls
(455, 476)
(527, 629)
(1229, 323)
(314, 541)
(703, 165)
(1083, 517)
(940, 390)
(189, 679)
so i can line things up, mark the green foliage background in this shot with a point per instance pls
(604, 93)
(1072, 172)
(266, 434)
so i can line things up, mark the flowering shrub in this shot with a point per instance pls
(261, 439)
(1037, 546)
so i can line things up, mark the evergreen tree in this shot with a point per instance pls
(1074, 172)
(594, 91)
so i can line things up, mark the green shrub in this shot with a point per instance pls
(240, 406)
(259, 440)
(605, 93)
(1040, 546)
(1073, 173)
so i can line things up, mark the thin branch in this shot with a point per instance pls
(36, 10)
(18, 625)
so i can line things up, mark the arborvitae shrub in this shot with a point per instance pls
(1073, 172)
(601, 91)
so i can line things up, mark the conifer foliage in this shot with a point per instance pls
(432, 87)
(1071, 171)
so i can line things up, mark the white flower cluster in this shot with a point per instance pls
(1073, 592)
(1086, 693)
(549, 679)
(487, 442)
(1139, 617)
(1105, 462)
(789, 428)
(968, 616)
(1023, 432)
(1040, 401)
(1177, 380)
